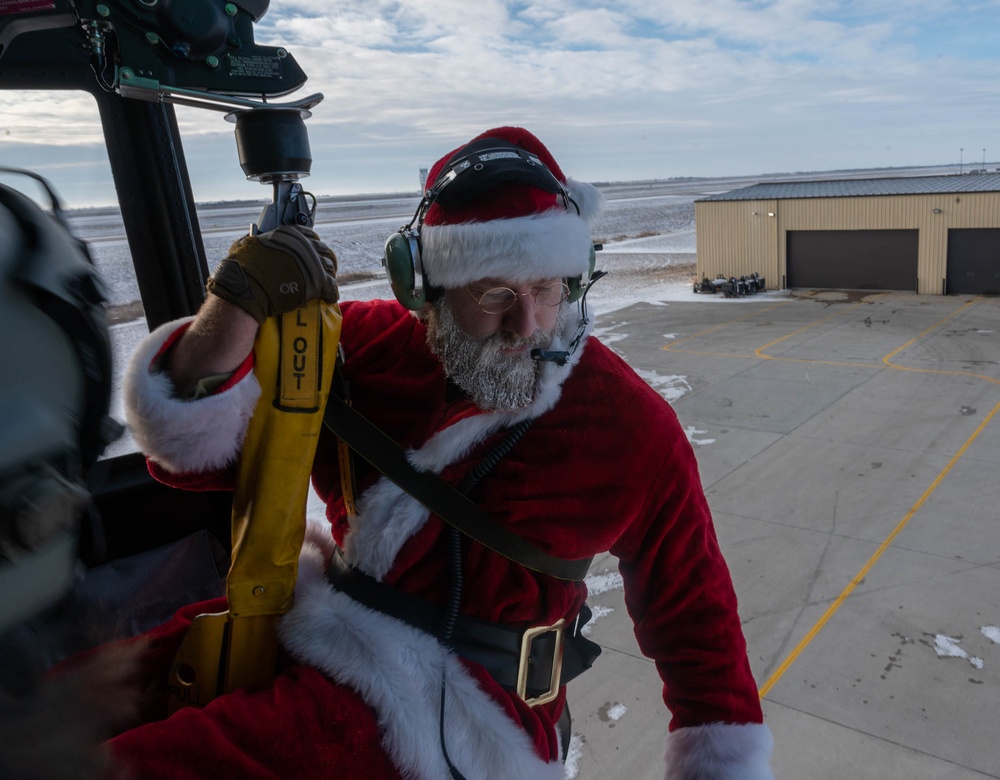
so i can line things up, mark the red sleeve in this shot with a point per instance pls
(680, 596)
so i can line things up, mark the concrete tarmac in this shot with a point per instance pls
(849, 446)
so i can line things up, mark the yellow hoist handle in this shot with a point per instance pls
(295, 356)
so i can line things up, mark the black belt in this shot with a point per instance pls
(534, 662)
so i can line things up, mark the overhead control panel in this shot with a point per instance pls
(200, 45)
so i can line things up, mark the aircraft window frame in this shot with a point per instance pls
(74, 161)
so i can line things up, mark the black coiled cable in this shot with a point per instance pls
(473, 478)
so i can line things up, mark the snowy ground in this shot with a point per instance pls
(643, 237)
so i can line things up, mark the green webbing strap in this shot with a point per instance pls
(379, 449)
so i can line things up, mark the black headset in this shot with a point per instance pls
(473, 170)
(58, 270)
(53, 304)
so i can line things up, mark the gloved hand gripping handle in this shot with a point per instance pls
(295, 353)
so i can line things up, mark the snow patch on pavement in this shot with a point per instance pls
(692, 432)
(608, 336)
(573, 755)
(949, 647)
(603, 582)
(599, 611)
(616, 711)
(671, 386)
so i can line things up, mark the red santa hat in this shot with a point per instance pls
(496, 213)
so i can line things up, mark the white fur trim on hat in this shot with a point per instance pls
(720, 751)
(184, 436)
(587, 198)
(547, 245)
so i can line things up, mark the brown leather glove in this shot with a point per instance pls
(276, 272)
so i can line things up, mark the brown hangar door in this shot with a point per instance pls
(853, 259)
(973, 261)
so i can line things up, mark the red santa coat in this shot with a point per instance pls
(604, 466)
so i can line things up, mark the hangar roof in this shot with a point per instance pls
(853, 188)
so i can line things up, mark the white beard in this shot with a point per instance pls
(495, 381)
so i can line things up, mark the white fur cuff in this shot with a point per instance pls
(184, 436)
(720, 751)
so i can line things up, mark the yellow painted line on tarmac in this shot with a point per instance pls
(760, 351)
(860, 576)
(887, 360)
(757, 354)
(832, 609)
(810, 361)
(927, 330)
(726, 324)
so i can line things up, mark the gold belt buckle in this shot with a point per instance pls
(529, 636)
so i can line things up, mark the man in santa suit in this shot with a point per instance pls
(488, 368)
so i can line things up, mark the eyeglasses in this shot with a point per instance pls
(497, 300)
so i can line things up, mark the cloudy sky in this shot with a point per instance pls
(638, 89)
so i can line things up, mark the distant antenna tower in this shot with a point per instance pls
(423, 178)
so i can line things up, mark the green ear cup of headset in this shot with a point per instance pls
(400, 265)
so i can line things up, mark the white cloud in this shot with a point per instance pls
(639, 89)
(34, 117)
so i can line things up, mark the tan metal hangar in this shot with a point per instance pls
(927, 234)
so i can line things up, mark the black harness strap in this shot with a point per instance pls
(495, 646)
(379, 449)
